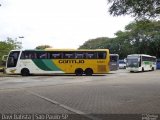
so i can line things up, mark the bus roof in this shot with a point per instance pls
(141, 55)
(52, 49)
(114, 55)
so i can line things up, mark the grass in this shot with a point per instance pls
(1, 67)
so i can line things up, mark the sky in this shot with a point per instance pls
(58, 23)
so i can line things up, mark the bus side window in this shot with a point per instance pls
(28, 55)
(79, 55)
(101, 55)
(55, 55)
(68, 55)
(31, 56)
(41, 55)
(91, 55)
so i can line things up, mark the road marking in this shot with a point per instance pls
(64, 106)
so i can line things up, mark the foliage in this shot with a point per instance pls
(136, 8)
(41, 47)
(139, 37)
(7, 45)
(146, 35)
(97, 43)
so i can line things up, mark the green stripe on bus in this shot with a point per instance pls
(50, 65)
(147, 62)
(45, 64)
(40, 64)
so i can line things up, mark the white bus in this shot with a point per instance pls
(140, 62)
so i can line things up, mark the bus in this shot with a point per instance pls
(114, 65)
(50, 61)
(158, 64)
(140, 62)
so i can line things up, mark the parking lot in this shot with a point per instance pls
(90, 97)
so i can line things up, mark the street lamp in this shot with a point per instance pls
(21, 37)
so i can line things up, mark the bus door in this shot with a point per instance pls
(12, 59)
(140, 61)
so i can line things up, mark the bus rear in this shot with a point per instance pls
(114, 65)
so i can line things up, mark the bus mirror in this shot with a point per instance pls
(4, 58)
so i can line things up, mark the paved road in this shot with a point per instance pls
(119, 92)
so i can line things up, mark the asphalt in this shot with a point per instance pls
(121, 94)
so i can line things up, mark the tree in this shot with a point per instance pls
(145, 36)
(7, 45)
(94, 43)
(41, 47)
(136, 8)
(139, 37)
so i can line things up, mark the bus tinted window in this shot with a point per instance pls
(68, 55)
(146, 58)
(101, 55)
(79, 55)
(13, 58)
(55, 55)
(113, 58)
(14, 54)
(91, 55)
(41, 55)
(28, 55)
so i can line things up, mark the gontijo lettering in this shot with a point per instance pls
(71, 61)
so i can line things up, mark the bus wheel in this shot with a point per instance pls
(25, 72)
(142, 69)
(79, 72)
(152, 68)
(88, 72)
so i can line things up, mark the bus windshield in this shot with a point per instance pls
(13, 58)
(132, 62)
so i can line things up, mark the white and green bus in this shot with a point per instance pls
(140, 62)
(53, 61)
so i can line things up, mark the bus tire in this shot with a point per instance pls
(25, 72)
(79, 72)
(142, 69)
(88, 72)
(152, 68)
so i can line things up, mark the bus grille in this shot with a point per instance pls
(102, 68)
